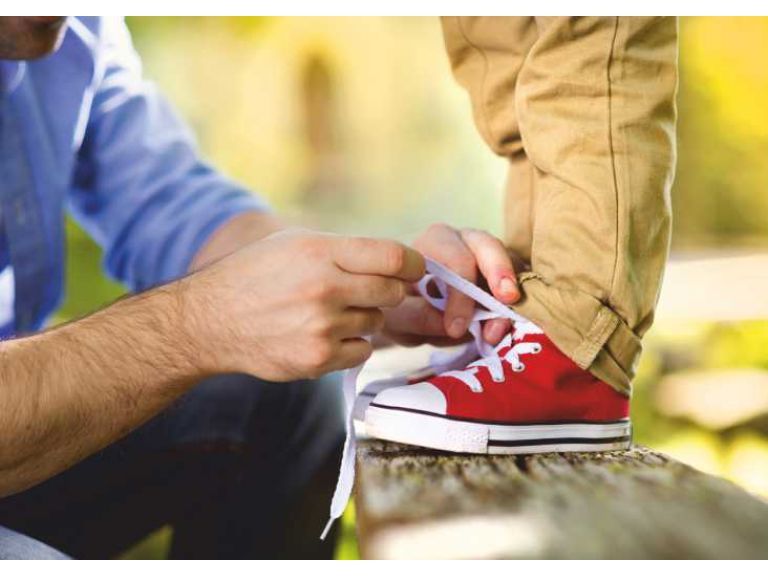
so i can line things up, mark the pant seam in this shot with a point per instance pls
(611, 150)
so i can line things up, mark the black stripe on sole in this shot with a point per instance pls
(496, 422)
(551, 441)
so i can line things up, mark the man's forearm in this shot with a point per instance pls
(70, 391)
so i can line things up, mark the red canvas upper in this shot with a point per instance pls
(550, 388)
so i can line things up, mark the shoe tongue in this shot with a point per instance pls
(503, 347)
(523, 329)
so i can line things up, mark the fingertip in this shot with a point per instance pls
(510, 298)
(507, 290)
(456, 327)
(416, 265)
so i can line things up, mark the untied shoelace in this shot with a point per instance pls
(442, 277)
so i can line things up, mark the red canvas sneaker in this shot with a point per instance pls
(525, 396)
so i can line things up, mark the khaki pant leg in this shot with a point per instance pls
(486, 56)
(594, 110)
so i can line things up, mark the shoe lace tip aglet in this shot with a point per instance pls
(327, 528)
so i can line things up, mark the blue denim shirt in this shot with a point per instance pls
(81, 131)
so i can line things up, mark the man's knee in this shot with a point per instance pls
(296, 418)
(300, 423)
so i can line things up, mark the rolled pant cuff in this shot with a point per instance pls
(583, 328)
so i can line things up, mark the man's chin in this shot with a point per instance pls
(31, 37)
(48, 32)
(54, 21)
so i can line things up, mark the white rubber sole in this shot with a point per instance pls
(443, 433)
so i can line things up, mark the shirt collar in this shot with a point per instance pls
(11, 74)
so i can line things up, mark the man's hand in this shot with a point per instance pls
(296, 304)
(471, 254)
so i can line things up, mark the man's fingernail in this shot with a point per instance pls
(458, 327)
(507, 287)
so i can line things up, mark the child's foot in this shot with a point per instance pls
(525, 397)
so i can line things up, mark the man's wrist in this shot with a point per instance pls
(193, 311)
(154, 330)
(235, 233)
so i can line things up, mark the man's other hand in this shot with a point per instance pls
(472, 254)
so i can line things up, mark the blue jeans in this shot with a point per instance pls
(239, 468)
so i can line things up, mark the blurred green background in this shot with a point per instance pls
(356, 125)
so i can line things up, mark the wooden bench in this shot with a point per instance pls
(418, 503)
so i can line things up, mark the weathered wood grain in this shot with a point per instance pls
(418, 503)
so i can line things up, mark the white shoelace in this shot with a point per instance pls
(442, 277)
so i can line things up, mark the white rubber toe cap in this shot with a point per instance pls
(423, 396)
(370, 391)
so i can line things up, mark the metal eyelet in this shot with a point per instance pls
(537, 348)
(518, 368)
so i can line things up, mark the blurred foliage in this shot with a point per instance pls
(154, 547)
(738, 345)
(742, 455)
(356, 125)
(347, 545)
(87, 288)
(720, 190)
(404, 151)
